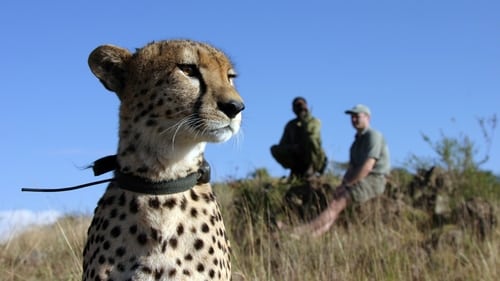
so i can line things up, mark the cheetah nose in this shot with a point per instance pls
(231, 108)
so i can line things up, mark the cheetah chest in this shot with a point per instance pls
(148, 237)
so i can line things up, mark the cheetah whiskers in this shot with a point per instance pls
(188, 123)
(238, 138)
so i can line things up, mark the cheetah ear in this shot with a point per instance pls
(109, 64)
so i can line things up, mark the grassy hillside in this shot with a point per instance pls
(435, 225)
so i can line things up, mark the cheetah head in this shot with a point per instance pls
(175, 95)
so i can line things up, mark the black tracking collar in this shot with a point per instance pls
(136, 183)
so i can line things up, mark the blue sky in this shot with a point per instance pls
(422, 67)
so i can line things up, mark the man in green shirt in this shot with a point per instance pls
(364, 179)
(300, 147)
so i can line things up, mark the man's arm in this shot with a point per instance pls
(312, 132)
(374, 148)
(352, 177)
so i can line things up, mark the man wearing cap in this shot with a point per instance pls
(300, 148)
(365, 176)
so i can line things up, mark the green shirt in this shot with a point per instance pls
(306, 135)
(370, 144)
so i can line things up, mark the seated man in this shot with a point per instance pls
(300, 147)
(364, 179)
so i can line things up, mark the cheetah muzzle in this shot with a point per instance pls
(175, 96)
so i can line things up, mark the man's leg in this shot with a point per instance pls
(368, 188)
(325, 220)
(290, 158)
(282, 155)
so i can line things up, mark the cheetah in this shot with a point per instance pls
(159, 218)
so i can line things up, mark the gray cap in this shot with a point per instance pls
(359, 108)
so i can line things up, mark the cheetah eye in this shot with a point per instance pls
(231, 76)
(189, 69)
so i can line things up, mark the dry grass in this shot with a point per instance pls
(45, 253)
(367, 249)
(370, 245)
